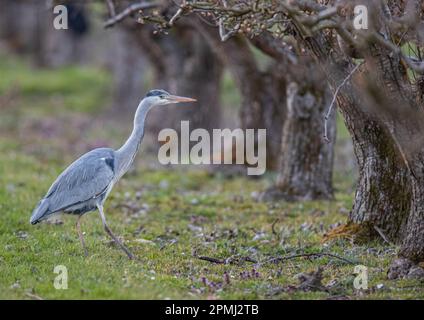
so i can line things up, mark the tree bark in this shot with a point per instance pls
(382, 198)
(395, 106)
(307, 161)
(413, 243)
(384, 124)
(390, 170)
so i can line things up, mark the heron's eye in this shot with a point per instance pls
(162, 96)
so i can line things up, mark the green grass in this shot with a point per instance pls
(68, 88)
(167, 216)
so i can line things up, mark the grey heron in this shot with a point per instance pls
(87, 182)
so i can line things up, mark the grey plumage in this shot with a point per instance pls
(86, 183)
(80, 186)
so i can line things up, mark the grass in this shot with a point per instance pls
(167, 216)
(73, 89)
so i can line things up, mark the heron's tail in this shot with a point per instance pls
(40, 212)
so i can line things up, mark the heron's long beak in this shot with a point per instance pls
(177, 99)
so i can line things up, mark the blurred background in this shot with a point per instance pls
(67, 91)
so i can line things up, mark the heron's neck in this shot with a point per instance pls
(126, 154)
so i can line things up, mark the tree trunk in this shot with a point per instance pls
(386, 163)
(20, 24)
(382, 199)
(413, 244)
(55, 48)
(307, 161)
(129, 68)
(408, 132)
(384, 126)
(263, 94)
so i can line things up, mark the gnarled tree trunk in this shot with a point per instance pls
(306, 160)
(385, 175)
(382, 198)
(413, 243)
(389, 197)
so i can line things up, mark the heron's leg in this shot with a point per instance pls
(110, 233)
(81, 236)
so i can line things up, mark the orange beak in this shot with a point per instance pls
(178, 99)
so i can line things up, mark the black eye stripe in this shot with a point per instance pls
(160, 93)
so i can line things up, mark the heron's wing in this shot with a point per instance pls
(85, 179)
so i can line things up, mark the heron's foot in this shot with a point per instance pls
(85, 252)
(130, 255)
(84, 247)
(126, 250)
(120, 244)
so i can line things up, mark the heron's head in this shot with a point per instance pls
(159, 97)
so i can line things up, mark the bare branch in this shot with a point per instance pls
(212, 260)
(333, 101)
(310, 21)
(128, 11)
(175, 17)
(417, 66)
(308, 255)
(222, 33)
(227, 35)
(275, 49)
(111, 8)
(230, 260)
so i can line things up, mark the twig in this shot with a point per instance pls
(308, 255)
(249, 259)
(417, 66)
(333, 101)
(33, 296)
(129, 10)
(225, 261)
(222, 33)
(273, 229)
(209, 23)
(213, 260)
(127, 206)
(382, 235)
(175, 17)
(314, 20)
(111, 8)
